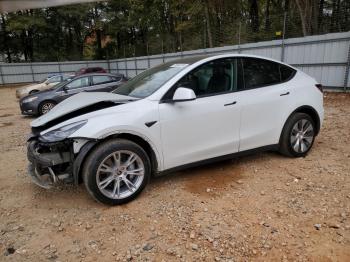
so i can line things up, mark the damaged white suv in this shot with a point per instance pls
(179, 114)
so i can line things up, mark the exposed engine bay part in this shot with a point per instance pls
(48, 154)
(59, 162)
(46, 180)
(78, 144)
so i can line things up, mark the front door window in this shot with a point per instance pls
(78, 83)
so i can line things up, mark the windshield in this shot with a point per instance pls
(149, 81)
(43, 80)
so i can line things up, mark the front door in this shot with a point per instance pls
(74, 87)
(204, 128)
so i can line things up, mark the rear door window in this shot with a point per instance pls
(98, 80)
(260, 72)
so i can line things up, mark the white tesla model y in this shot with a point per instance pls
(182, 113)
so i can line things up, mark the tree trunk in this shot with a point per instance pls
(286, 6)
(99, 43)
(337, 18)
(207, 23)
(6, 45)
(98, 35)
(320, 15)
(307, 11)
(254, 15)
(267, 16)
(24, 45)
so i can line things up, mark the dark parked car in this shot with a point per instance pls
(42, 102)
(88, 70)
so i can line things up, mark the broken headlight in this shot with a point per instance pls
(63, 132)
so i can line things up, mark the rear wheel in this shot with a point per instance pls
(116, 171)
(298, 135)
(46, 106)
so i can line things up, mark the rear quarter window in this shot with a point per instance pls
(286, 72)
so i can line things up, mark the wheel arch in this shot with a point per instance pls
(142, 142)
(307, 110)
(86, 151)
(312, 113)
(33, 91)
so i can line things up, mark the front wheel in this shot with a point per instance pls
(298, 135)
(46, 106)
(116, 171)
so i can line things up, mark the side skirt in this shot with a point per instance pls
(219, 158)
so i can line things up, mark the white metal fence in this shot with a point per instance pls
(325, 57)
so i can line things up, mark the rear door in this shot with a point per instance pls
(264, 98)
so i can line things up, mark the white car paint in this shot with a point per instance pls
(200, 129)
(76, 102)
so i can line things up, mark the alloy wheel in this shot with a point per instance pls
(46, 107)
(120, 174)
(302, 136)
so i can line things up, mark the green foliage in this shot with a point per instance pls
(124, 28)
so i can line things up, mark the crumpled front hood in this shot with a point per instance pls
(77, 102)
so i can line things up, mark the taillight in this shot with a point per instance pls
(319, 87)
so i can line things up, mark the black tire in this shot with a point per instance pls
(33, 91)
(285, 145)
(100, 154)
(44, 105)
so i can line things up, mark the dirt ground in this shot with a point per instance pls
(263, 207)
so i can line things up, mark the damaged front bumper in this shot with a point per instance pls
(54, 162)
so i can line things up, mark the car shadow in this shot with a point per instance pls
(218, 175)
(206, 180)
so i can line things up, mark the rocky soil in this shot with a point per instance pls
(263, 207)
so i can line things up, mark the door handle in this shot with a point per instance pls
(230, 104)
(284, 94)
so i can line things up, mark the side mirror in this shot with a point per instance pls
(183, 94)
(65, 89)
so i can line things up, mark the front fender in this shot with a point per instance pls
(100, 130)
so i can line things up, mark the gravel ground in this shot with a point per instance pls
(260, 207)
